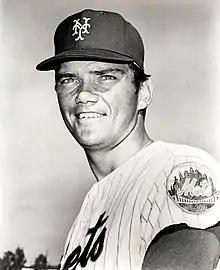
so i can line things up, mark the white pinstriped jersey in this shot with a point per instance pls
(163, 184)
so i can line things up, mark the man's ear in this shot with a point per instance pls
(145, 94)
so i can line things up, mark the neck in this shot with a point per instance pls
(104, 162)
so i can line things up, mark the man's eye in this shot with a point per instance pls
(107, 78)
(65, 81)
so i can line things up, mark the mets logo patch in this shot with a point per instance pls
(81, 28)
(192, 187)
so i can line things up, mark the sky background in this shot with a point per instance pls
(43, 172)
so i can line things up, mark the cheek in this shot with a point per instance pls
(125, 107)
(127, 98)
(65, 108)
(65, 103)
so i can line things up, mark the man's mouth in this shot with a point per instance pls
(88, 115)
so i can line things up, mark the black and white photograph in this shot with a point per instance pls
(110, 135)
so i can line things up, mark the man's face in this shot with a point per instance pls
(98, 102)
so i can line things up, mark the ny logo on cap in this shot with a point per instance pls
(80, 29)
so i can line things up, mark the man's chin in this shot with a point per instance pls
(89, 143)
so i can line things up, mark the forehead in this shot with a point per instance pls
(86, 66)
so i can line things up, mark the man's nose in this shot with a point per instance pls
(86, 94)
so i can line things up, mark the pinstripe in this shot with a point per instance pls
(122, 191)
(121, 195)
(111, 187)
(72, 238)
(109, 228)
(156, 203)
(112, 202)
(156, 179)
(169, 209)
(158, 222)
(134, 208)
(126, 191)
(123, 188)
(110, 224)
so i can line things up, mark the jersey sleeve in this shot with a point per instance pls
(193, 189)
(187, 190)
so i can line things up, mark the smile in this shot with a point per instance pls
(87, 115)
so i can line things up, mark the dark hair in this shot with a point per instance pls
(139, 75)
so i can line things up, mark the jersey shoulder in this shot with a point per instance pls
(193, 183)
(183, 153)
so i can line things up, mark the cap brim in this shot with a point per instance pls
(83, 54)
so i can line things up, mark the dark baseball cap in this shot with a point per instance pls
(98, 36)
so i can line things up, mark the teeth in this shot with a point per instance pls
(89, 115)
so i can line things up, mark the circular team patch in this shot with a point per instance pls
(192, 187)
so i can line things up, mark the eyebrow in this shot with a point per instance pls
(59, 76)
(107, 70)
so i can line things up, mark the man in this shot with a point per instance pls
(151, 198)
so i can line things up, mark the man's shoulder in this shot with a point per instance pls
(191, 162)
(185, 153)
(183, 149)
